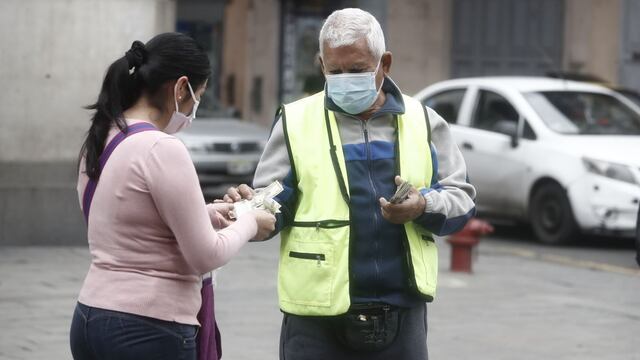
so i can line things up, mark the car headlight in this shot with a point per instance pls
(610, 170)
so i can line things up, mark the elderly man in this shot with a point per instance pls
(356, 268)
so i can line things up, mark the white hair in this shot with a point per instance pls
(345, 27)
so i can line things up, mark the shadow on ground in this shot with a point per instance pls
(522, 233)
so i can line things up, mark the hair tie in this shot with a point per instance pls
(136, 56)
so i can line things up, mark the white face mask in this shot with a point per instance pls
(353, 92)
(180, 121)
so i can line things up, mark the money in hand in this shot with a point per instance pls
(402, 193)
(262, 199)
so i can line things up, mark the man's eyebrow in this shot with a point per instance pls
(356, 66)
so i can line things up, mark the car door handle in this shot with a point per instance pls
(467, 146)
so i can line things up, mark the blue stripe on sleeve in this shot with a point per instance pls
(438, 224)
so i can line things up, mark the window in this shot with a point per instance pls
(447, 104)
(495, 113)
(528, 132)
(584, 113)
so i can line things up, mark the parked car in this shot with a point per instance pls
(561, 155)
(224, 151)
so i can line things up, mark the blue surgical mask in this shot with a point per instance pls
(353, 92)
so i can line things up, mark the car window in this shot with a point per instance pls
(494, 113)
(573, 112)
(446, 104)
(528, 132)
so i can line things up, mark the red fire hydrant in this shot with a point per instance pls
(463, 241)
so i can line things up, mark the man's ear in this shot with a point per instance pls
(386, 62)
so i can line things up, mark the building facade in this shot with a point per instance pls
(54, 54)
(270, 45)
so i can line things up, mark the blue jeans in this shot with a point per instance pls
(98, 334)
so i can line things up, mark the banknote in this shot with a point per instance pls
(262, 199)
(401, 193)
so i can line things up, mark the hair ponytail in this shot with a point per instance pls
(120, 90)
(145, 68)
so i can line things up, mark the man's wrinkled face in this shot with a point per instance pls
(354, 58)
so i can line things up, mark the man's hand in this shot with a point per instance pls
(235, 194)
(266, 224)
(407, 210)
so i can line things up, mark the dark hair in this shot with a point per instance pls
(143, 69)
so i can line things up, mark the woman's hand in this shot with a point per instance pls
(222, 209)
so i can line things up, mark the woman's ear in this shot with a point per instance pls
(181, 88)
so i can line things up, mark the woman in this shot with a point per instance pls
(151, 236)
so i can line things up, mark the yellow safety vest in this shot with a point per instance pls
(313, 274)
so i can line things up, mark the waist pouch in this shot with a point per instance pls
(368, 328)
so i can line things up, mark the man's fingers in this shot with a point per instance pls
(232, 194)
(398, 180)
(245, 191)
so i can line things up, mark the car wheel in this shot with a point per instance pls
(551, 215)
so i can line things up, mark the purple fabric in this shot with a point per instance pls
(90, 190)
(208, 340)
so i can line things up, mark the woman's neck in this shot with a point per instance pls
(143, 110)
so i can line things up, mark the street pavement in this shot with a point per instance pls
(520, 303)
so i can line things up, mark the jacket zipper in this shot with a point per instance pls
(307, 256)
(375, 192)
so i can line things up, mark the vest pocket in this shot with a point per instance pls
(309, 256)
(311, 265)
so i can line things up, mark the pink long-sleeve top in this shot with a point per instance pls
(151, 235)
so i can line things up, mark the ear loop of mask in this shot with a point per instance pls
(196, 101)
(374, 76)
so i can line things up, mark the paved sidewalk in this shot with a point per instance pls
(515, 306)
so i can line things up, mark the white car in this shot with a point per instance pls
(562, 155)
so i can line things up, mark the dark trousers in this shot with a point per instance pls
(104, 334)
(311, 338)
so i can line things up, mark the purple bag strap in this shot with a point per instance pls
(90, 190)
(209, 342)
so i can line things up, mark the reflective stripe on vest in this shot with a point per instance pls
(313, 276)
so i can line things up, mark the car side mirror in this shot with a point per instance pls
(515, 141)
(509, 128)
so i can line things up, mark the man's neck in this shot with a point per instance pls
(377, 105)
